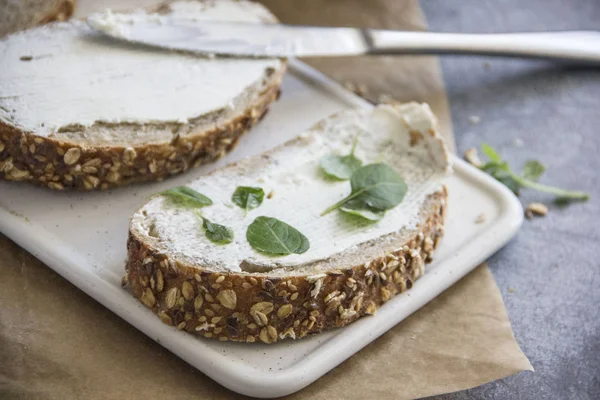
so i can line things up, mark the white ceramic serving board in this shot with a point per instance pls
(82, 236)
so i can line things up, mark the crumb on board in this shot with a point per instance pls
(480, 219)
(518, 142)
(349, 86)
(359, 89)
(472, 157)
(538, 209)
(511, 290)
(474, 119)
(17, 214)
(271, 194)
(385, 99)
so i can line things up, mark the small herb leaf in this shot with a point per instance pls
(216, 233)
(188, 196)
(273, 236)
(341, 167)
(533, 170)
(247, 197)
(366, 213)
(491, 153)
(375, 187)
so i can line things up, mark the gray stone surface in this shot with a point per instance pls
(549, 274)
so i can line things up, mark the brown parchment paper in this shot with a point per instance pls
(57, 343)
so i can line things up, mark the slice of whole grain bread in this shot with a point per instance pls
(81, 111)
(234, 292)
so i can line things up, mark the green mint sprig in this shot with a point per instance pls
(499, 169)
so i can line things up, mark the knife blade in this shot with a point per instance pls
(277, 40)
(231, 38)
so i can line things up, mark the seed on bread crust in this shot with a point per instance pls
(227, 297)
(148, 298)
(284, 311)
(171, 297)
(72, 156)
(159, 281)
(268, 334)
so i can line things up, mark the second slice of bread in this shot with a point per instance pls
(79, 110)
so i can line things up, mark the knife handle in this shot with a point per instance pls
(568, 45)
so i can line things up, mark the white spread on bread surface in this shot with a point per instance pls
(301, 193)
(67, 74)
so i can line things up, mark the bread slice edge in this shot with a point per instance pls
(266, 306)
(61, 162)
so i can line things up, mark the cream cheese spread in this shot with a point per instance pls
(301, 193)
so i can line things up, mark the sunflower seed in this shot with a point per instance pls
(284, 311)
(171, 298)
(187, 290)
(227, 298)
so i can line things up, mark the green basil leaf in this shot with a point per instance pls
(188, 196)
(491, 153)
(341, 167)
(533, 170)
(366, 213)
(217, 233)
(248, 197)
(376, 187)
(273, 236)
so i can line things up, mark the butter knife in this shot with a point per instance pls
(278, 40)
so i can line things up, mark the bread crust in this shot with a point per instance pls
(61, 164)
(61, 10)
(253, 307)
